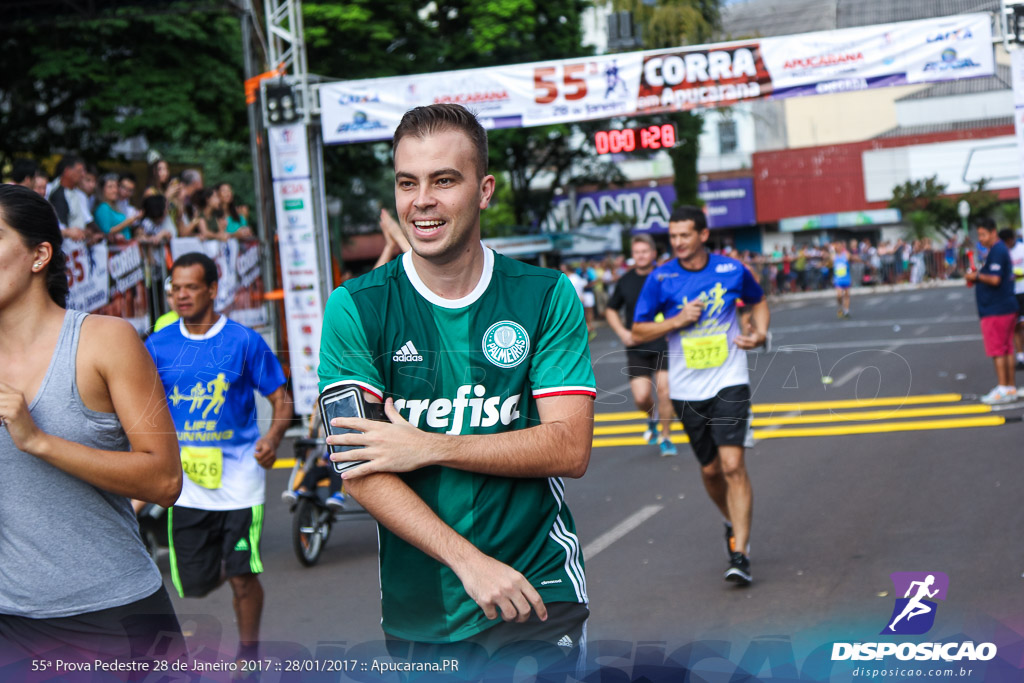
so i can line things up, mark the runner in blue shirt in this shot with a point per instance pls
(841, 274)
(707, 362)
(210, 366)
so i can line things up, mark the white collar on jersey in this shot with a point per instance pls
(426, 293)
(210, 333)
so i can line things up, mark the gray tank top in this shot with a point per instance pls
(66, 547)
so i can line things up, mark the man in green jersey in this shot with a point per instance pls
(483, 365)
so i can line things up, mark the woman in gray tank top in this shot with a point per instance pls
(84, 426)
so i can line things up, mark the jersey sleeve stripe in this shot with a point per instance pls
(564, 391)
(379, 393)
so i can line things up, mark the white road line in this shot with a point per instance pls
(868, 343)
(848, 376)
(904, 322)
(874, 302)
(914, 298)
(619, 530)
(922, 330)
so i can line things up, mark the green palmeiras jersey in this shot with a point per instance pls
(475, 365)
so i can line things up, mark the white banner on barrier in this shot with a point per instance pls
(300, 267)
(583, 88)
(90, 279)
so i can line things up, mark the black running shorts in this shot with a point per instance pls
(644, 362)
(718, 421)
(146, 630)
(205, 542)
(557, 647)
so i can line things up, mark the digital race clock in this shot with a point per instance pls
(631, 139)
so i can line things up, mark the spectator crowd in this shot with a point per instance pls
(93, 206)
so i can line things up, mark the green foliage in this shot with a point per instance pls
(671, 23)
(499, 217)
(926, 207)
(82, 85)
(388, 39)
(222, 161)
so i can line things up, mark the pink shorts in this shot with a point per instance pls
(997, 332)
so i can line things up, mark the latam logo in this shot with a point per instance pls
(824, 60)
(959, 34)
(725, 268)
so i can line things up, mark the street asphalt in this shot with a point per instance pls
(873, 456)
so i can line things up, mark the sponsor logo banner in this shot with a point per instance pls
(703, 77)
(678, 79)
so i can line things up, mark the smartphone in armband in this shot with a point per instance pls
(346, 400)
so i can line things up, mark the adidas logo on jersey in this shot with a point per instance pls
(407, 353)
(565, 641)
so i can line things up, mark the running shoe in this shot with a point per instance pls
(739, 569)
(289, 497)
(730, 540)
(999, 395)
(667, 448)
(651, 434)
(336, 501)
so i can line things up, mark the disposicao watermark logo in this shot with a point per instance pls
(914, 613)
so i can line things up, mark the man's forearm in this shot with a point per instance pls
(645, 332)
(392, 503)
(554, 449)
(282, 415)
(614, 321)
(761, 316)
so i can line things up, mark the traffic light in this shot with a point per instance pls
(282, 105)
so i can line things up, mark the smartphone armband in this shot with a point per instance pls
(346, 400)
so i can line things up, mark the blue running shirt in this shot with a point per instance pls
(841, 270)
(702, 357)
(209, 380)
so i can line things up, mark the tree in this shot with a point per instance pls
(387, 39)
(926, 206)
(74, 83)
(672, 23)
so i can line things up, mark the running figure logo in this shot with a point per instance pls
(201, 392)
(914, 613)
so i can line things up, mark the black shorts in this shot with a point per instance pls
(146, 630)
(645, 361)
(1020, 305)
(718, 421)
(210, 545)
(558, 646)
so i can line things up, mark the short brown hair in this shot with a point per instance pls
(646, 239)
(436, 118)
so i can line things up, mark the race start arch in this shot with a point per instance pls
(676, 79)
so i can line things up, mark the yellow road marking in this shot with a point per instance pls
(834, 430)
(863, 416)
(811, 405)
